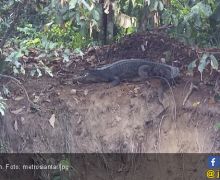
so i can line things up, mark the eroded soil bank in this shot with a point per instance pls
(125, 118)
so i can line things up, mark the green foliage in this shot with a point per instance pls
(68, 36)
(122, 32)
(82, 14)
(139, 9)
(27, 31)
(203, 62)
(37, 70)
(5, 10)
(196, 24)
(54, 36)
(156, 5)
(35, 42)
(70, 26)
(192, 22)
(192, 66)
(47, 26)
(14, 58)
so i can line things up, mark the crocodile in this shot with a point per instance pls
(128, 69)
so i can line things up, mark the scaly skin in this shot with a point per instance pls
(128, 69)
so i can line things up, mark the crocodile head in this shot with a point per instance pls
(175, 72)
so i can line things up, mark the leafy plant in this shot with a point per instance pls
(37, 70)
(192, 21)
(203, 62)
(67, 36)
(14, 58)
(137, 14)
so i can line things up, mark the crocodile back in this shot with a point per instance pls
(125, 69)
(128, 69)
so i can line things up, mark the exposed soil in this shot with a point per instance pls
(125, 118)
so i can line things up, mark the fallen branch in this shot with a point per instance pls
(18, 83)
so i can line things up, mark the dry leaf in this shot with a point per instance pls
(91, 49)
(118, 118)
(211, 100)
(86, 92)
(195, 104)
(91, 59)
(18, 111)
(146, 43)
(136, 89)
(77, 101)
(16, 125)
(73, 91)
(36, 99)
(18, 98)
(142, 47)
(52, 120)
(22, 119)
(79, 121)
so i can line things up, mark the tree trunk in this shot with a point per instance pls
(110, 24)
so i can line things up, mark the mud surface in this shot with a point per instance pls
(125, 118)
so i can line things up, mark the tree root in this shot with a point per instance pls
(191, 88)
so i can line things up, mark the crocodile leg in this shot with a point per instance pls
(144, 72)
(115, 82)
(160, 93)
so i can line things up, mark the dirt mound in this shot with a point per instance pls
(126, 118)
(149, 45)
(152, 45)
(155, 46)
